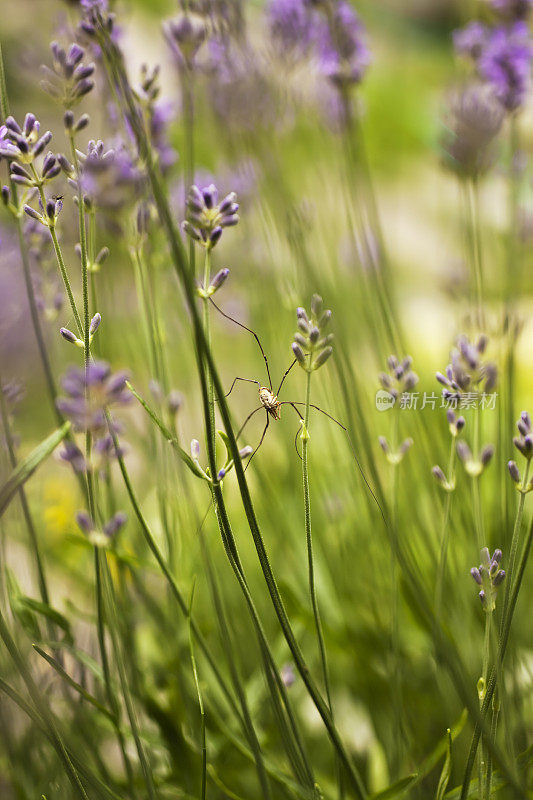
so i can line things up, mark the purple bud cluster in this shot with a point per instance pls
(89, 392)
(400, 377)
(206, 217)
(474, 120)
(70, 79)
(311, 347)
(332, 31)
(524, 442)
(110, 179)
(502, 54)
(100, 537)
(185, 34)
(467, 372)
(489, 576)
(23, 144)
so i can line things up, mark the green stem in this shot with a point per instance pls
(309, 541)
(445, 534)
(41, 705)
(119, 659)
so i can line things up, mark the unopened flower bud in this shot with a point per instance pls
(218, 280)
(514, 472)
(195, 449)
(316, 305)
(476, 574)
(298, 353)
(322, 357)
(68, 120)
(70, 337)
(486, 454)
(95, 322)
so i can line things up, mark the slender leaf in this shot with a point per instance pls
(27, 467)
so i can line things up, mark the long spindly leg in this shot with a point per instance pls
(254, 334)
(247, 420)
(260, 441)
(246, 380)
(285, 375)
(294, 403)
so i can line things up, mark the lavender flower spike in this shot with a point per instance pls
(206, 218)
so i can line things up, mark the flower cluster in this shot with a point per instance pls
(400, 378)
(48, 214)
(292, 27)
(70, 79)
(489, 576)
(467, 371)
(100, 537)
(23, 144)
(475, 119)
(332, 30)
(343, 53)
(206, 217)
(89, 393)
(503, 57)
(474, 465)
(456, 425)
(524, 444)
(110, 179)
(185, 34)
(158, 115)
(310, 347)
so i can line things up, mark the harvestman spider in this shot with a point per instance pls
(269, 400)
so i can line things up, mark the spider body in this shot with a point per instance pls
(270, 402)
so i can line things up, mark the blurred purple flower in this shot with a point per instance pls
(89, 393)
(292, 27)
(343, 53)
(505, 63)
(110, 178)
(470, 40)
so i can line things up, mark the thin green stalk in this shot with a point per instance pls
(483, 755)
(476, 259)
(476, 487)
(41, 705)
(114, 628)
(39, 564)
(59, 257)
(309, 542)
(445, 533)
(511, 564)
(201, 707)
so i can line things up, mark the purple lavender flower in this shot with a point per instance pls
(110, 179)
(206, 217)
(400, 378)
(468, 372)
(185, 34)
(505, 63)
(524, 442)
(23, 143)
(239, 86)
(474, 120)
(292, 27)
(89, 393)
(470, 40)
(343, 53)
(490, 576)
(70, 79)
